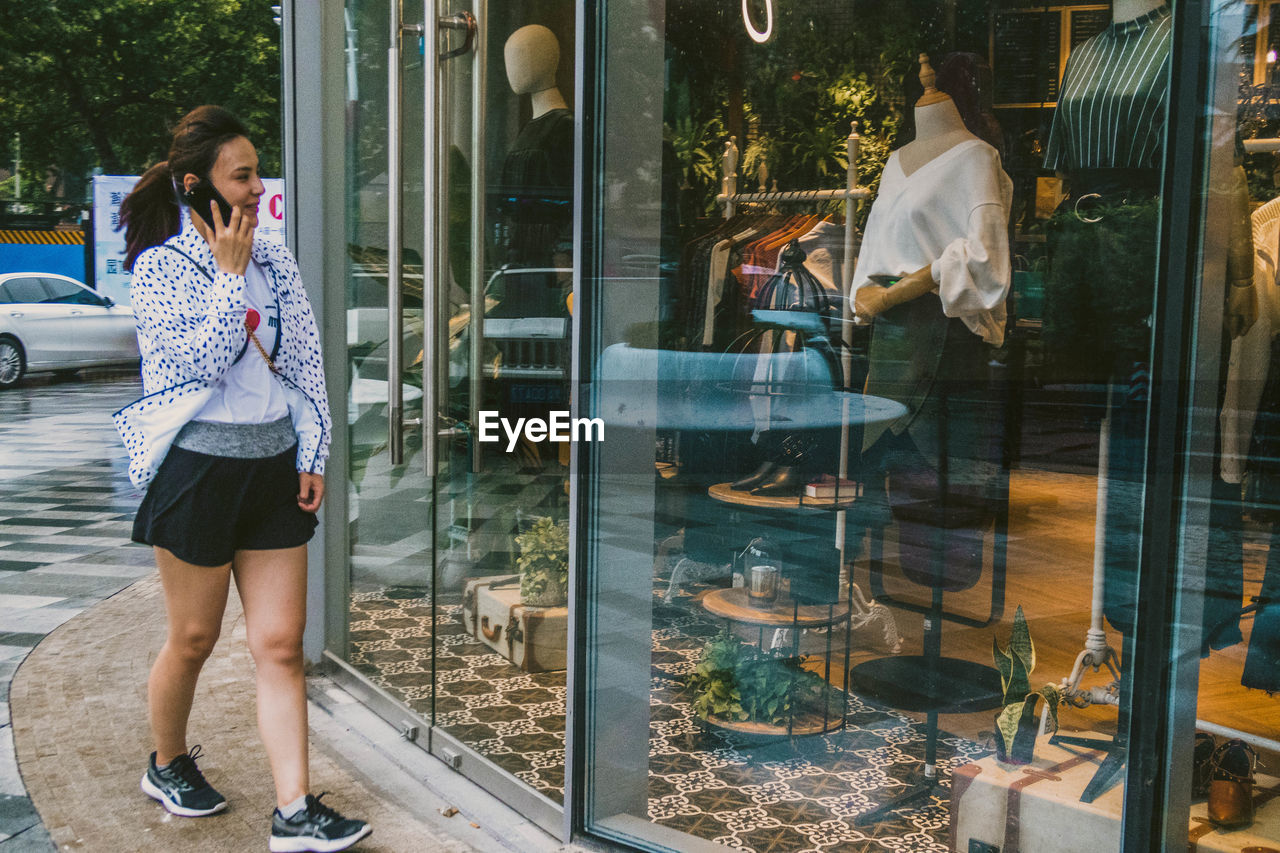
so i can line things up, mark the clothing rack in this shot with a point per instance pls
(851, 195)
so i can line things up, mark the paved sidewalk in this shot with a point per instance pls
(65, 510)
(71, 582)
(79, 711)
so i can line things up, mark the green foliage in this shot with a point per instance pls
(100, 82)
(544, 562)
(1016, 724)
(698, 146)
(735, 681)
(791, 101)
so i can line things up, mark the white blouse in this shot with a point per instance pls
(247, 392)
(952, 214)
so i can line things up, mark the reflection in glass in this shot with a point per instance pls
(929, 422)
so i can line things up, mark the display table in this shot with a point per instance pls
(734, 606)
(725, 493)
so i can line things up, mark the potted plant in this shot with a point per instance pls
(544, 563)
(1016, 724)
(736, 683)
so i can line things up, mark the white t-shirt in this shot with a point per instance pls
(953, 215)
(248, 393)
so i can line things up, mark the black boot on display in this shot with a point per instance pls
(755, 477)
(785, 480)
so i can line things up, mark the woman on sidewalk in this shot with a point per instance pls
(231, 440)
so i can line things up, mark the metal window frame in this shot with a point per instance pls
(1157, 796)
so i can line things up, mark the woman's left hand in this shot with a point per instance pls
(310, 491)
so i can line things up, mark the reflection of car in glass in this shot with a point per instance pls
(51, 322)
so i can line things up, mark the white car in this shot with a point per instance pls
(52, 322)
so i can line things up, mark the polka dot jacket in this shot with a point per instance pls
(191, 329)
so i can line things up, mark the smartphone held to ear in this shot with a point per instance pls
(198, 197)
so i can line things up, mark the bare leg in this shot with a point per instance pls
(194, 597)
(273, 587)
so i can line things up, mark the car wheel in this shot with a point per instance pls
(13, 363)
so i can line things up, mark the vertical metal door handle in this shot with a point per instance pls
(395, 298)
(460, 21)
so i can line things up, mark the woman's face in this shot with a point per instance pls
(235, 175)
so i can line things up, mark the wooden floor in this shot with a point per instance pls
(1050, 559)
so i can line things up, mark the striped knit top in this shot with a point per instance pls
(1114, 98)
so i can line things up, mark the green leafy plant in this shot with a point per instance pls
(1016, 723)
(734, 681)
(544, 563)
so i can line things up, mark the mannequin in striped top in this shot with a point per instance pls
(1107, 141)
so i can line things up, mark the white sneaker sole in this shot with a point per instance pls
(171, 807)
(315, 845)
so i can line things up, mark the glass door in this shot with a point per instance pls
(460, 164)
(503, 237)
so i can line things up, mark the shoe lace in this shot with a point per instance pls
(320, 811)
(184, 767)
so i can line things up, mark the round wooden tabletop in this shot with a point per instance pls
(725, 493)
(734, 604)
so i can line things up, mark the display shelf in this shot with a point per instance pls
(734, 604)
(725, 493)
(806, 725)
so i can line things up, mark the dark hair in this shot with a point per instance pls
(966, 77)
(150, 214)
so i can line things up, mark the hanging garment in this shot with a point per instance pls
(1113, 102)
(951, 214)
(1251, 352)
(1262, 663)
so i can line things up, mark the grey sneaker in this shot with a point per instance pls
(180, 787)
(315, 829)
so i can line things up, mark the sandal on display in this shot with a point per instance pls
(1201, 767)
(1231, 784)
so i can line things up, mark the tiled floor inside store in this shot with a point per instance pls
(756, 795)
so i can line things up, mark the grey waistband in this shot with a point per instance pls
(239, 441)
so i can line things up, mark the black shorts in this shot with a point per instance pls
(205, 508)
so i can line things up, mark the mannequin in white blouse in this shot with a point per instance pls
(939, 128)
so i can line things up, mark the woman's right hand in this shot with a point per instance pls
(232, 243)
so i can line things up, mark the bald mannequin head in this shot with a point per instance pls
(532, 56)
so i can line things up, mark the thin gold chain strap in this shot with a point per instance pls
(257, 343)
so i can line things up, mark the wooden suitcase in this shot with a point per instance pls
(1036, 807)
(532, 638)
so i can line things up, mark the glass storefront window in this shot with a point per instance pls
(1226, 740)
(864, 543)
(933, 347)
(460, 182)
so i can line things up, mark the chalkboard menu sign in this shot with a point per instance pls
(1029, 47)
(1025, 65)
(1087, 23)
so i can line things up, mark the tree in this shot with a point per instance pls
(99, 83)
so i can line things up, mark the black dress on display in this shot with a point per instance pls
(535, 205)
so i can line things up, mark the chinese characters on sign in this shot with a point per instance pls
(110, 277)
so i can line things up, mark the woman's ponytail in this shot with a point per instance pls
(149, 214)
